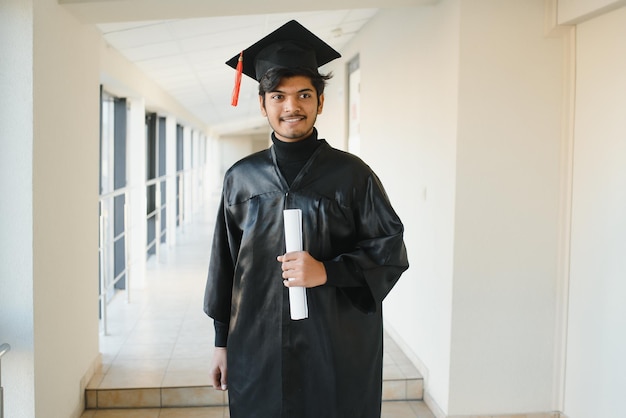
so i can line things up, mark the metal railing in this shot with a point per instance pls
(107, 241)
(159, 207)
(180, 219)
(4, 348)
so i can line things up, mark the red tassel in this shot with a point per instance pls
(235, 98)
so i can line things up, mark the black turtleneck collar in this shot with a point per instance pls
(295, 151)
(291, 156)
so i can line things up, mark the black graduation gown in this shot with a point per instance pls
(330, 364)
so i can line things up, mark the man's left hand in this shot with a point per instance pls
(301, 269)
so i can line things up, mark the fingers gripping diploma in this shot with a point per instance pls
(218, 369)
(301, 269)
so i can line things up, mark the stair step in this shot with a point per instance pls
(203, 396)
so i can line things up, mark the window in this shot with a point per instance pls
(113, 132)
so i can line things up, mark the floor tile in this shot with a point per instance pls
(125, 413)
(193, 413)
(131, 379)
(397, 410)
(421, 410)
(135, 398)
(183, 379)
(199, 396)
(394, 390)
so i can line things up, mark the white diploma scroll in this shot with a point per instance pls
(293, 242)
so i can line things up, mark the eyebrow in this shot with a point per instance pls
(299, 91)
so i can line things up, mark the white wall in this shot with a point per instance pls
(596, 371)
(136, 180)
(65, 208)
(408, 136)
(461, 119)
(234, 147)
(187, 185)
(170, 171)
(507, 209)
(16, 206)
(196, 180)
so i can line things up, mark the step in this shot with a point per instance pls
(390, 409)
(401, 382)
(204, 396)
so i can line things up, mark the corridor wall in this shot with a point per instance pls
(461, 109)
(49, 118)
(596, 371)
(16, 205)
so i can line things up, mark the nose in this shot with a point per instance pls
(291, 104)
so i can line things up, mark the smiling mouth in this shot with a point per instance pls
(292, 119)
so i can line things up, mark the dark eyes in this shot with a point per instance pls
(278, 96)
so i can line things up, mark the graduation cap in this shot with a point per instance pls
(290, 46)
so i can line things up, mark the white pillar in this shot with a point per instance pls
(136, 178)
(170, 185)
(187, 186)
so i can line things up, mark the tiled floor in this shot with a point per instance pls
(158, 346)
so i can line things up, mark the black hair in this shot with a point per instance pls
(272, 78)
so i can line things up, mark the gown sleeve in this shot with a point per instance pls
(379, 256)
(219, 285)
(221, 333)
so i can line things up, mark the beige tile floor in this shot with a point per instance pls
(161, 339)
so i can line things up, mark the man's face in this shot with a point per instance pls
(292, 108)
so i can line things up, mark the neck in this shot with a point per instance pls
(292, 156)
(295, 151)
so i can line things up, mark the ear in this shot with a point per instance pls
(262, 106)
(320, 105)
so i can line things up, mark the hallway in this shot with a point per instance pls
(158, 347)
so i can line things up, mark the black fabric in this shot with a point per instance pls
(221, 333)
(290, 46)
(330, 364)
(291, 156)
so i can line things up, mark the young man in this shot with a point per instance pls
(328, 365)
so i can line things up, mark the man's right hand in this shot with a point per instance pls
(218, 369)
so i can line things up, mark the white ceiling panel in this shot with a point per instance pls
(153, 51)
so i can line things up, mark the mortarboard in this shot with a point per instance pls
(290, 46)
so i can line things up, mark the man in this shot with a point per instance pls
(328, 365)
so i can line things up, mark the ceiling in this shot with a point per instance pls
(182, 45)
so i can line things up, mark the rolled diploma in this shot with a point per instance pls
(293, 242)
